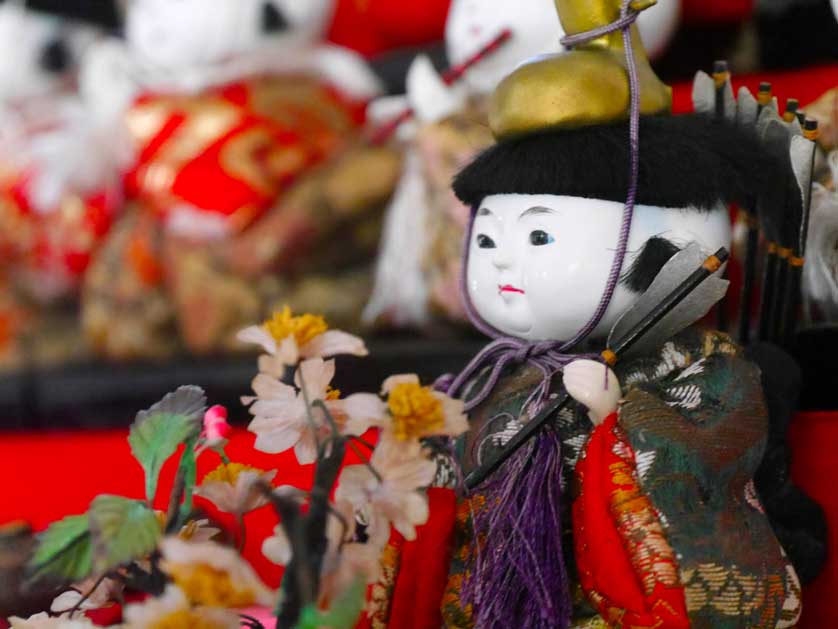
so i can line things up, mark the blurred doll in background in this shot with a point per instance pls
(417, 276)
(229, 114)
(54, 207)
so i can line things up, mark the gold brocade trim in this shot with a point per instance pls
(590, 623)
(206, 121)
(381, 595)
(17, 231)
(731, 593)
(715, 342)
(651, 555)
(241, 158)
(145, 120)
(301, 104)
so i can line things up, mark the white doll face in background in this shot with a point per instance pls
(535, 31)
(538, 264)
(658, 26)
(473, 23)
(186, 33)
(182, 33)
(37, 51)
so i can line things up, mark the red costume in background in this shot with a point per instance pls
(229, 152)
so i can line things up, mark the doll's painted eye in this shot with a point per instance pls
(539, 238)
(55, 56)
(484, 242)
(273, 21)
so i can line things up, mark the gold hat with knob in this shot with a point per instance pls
(588, 85)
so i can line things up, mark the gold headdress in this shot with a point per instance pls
(586, 86)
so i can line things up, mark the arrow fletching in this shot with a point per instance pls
(694, 307)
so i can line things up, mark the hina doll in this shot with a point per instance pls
(417, 281)
(228, 112)
(637, 507)
(45, 204)
(419, 261)
(54, 208)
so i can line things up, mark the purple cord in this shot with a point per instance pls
(519, 579)
(552, 357)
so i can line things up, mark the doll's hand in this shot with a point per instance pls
(586, 382)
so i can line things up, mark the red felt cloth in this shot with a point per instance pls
(814, 444)
(416, 604)
(717, 11)
(47, 476)
(372, 27)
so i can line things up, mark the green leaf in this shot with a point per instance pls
(123, 530)
(64, 552)
(189, 464)
(158, 431)
(343, 614)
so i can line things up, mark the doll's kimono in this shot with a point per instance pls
(659, 522)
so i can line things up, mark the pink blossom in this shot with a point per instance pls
(216, 428)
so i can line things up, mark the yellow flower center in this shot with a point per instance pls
(229, 473)
(332, 394)
(416, 411)
(189, 530)
(185, 619)
(303, 328)
(204, 585)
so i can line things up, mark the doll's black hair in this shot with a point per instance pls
(273, 20)
(645, 268)
(685, 161)
(102, 13)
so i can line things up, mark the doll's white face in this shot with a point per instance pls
(184, 33)
(473, 23)
(538, 264)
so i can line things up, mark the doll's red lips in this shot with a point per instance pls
(508, 288)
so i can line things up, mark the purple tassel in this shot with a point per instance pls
(518, 576)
